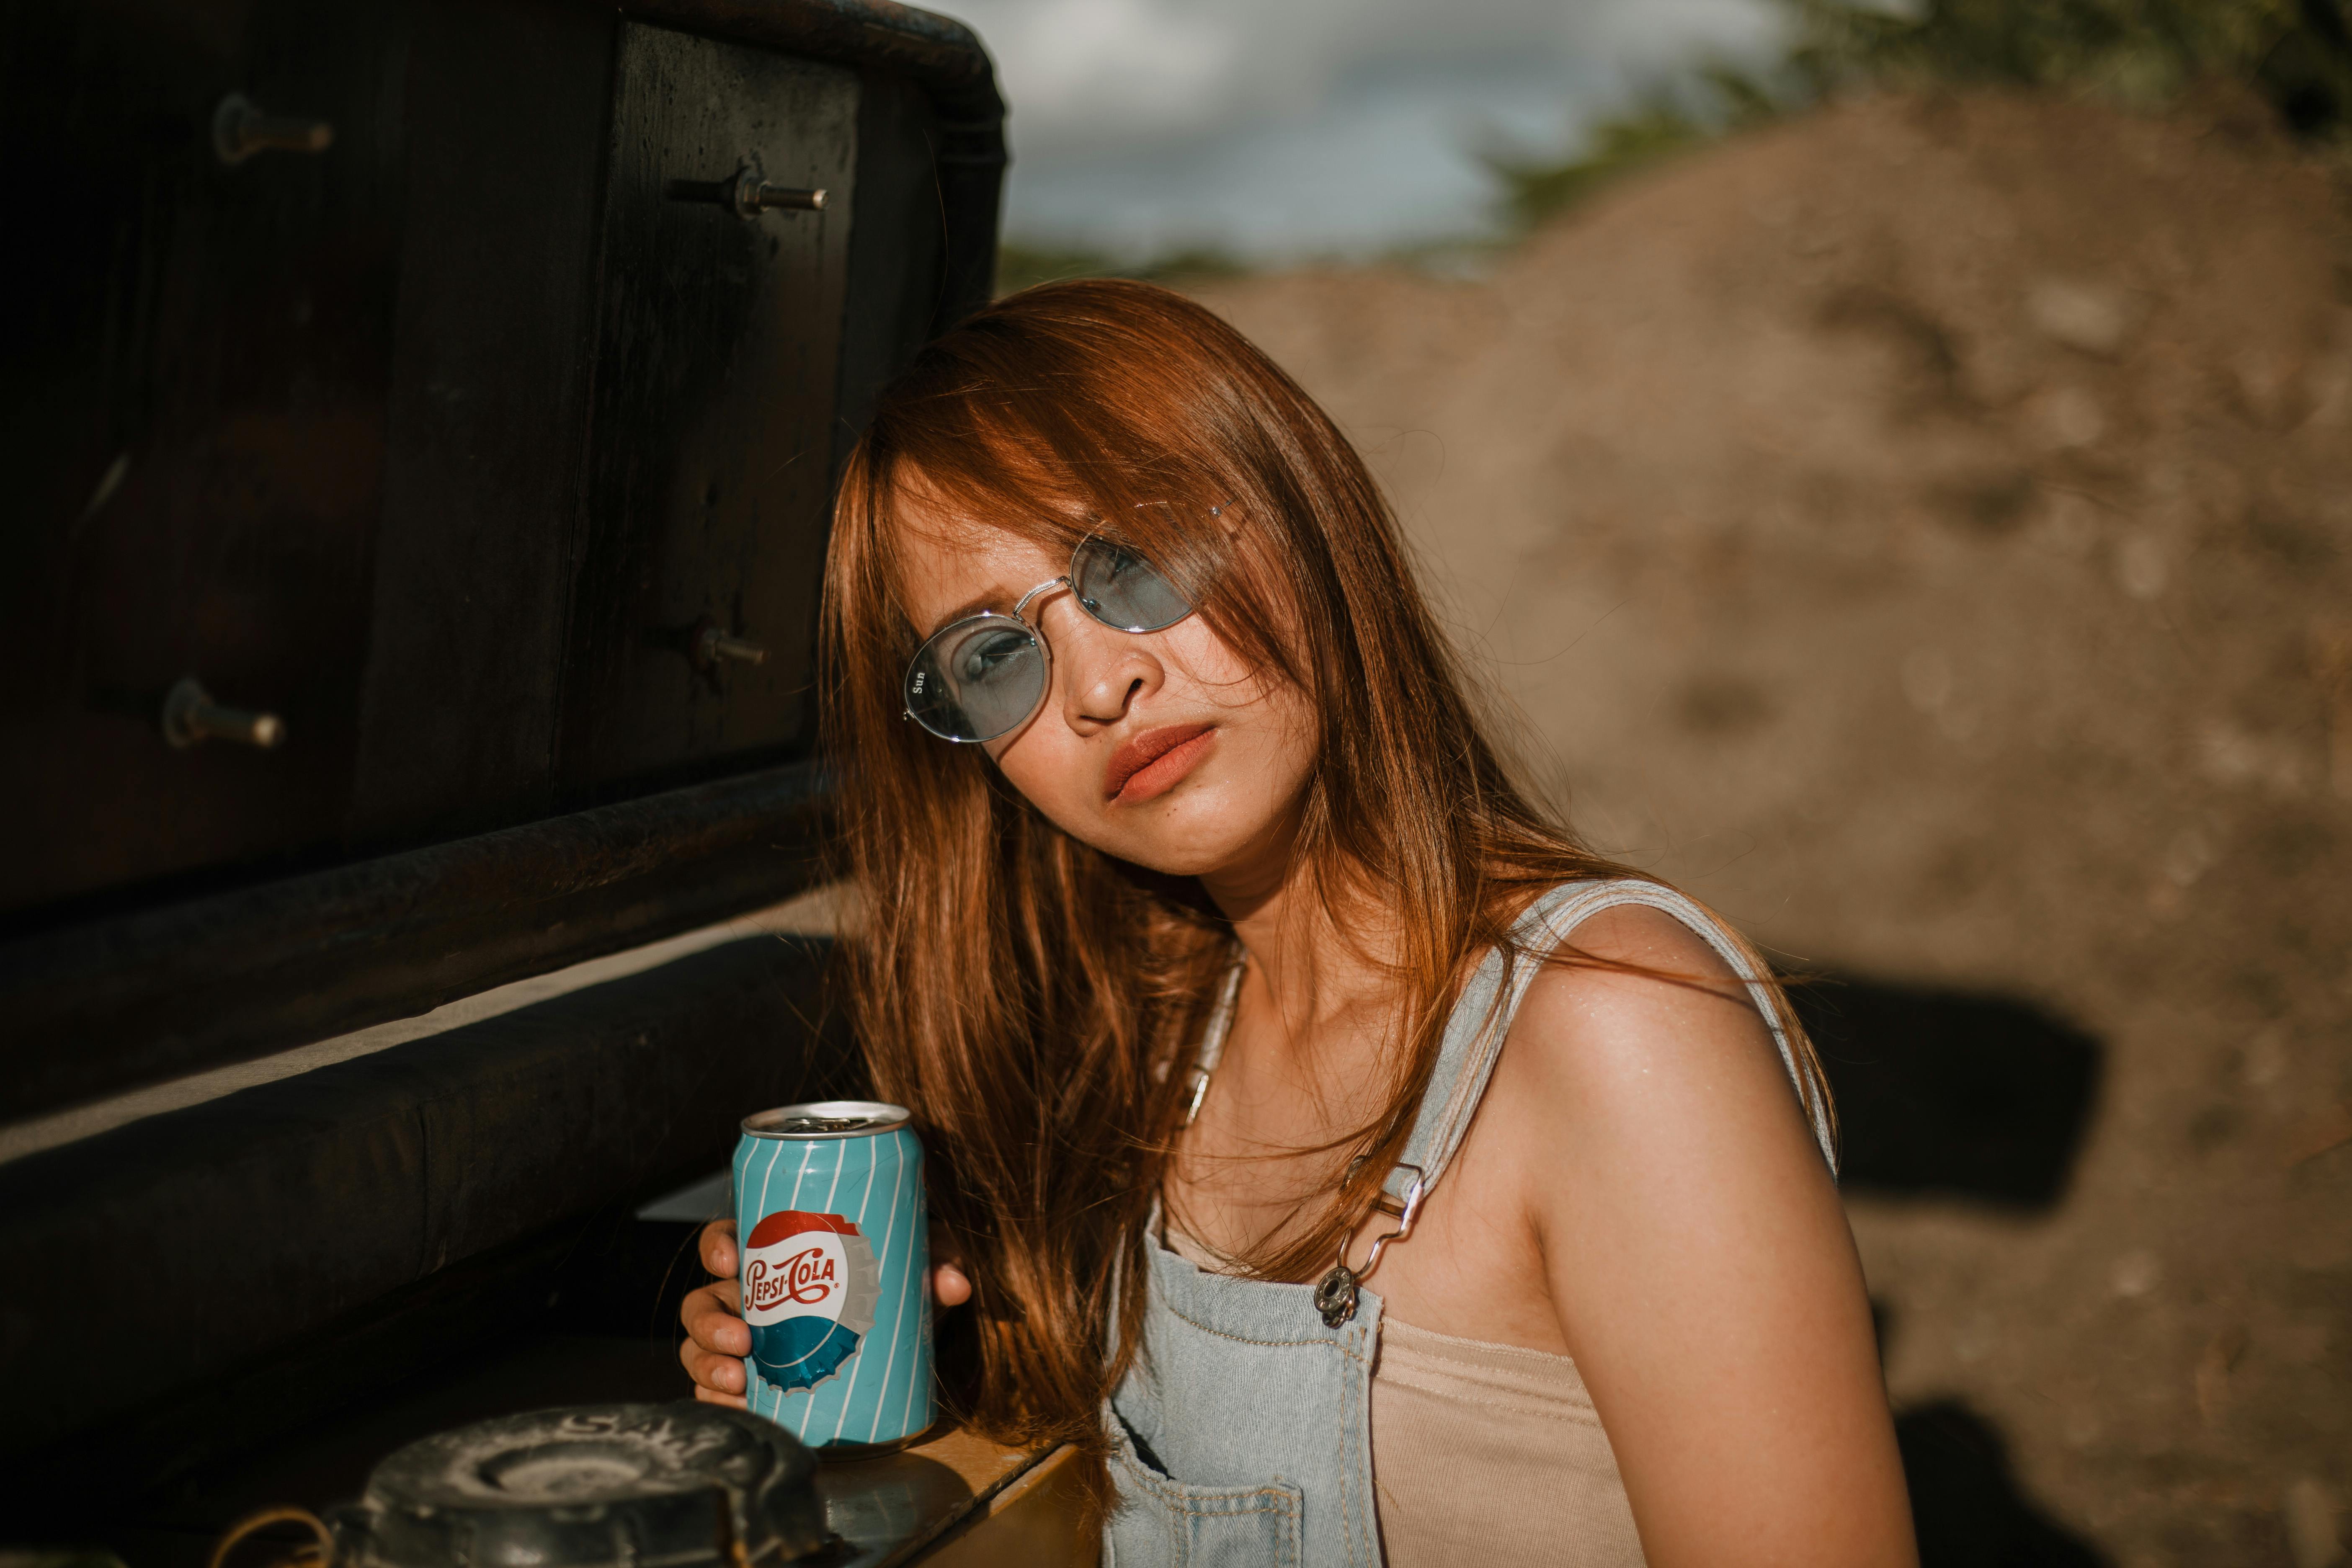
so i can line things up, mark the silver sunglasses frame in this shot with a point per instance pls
(1037, 633)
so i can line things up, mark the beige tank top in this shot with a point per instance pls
(1491, 1455)
(1484, 1454)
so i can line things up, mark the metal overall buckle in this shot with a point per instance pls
(1335, 1294)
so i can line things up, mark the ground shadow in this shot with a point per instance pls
(1965, 1502)
(1951, 1093)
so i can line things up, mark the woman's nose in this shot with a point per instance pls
(1102, 672)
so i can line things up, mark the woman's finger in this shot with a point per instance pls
(712, 1374)
(706, 1352)
(719, 1247)
(714, 1321)
(709, 1369)
(951, 1287)
(717, 1338)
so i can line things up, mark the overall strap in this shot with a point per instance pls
(1212, 1038)
(1481, 1020)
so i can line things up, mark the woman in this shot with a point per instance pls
(1358, 1165)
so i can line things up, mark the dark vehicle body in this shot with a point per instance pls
(421, 418)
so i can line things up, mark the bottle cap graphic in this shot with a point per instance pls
(810, 1287)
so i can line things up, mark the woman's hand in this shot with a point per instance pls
(717, 1338)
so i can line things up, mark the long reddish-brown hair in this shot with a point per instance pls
(1030, 997)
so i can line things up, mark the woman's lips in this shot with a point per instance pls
(1154, 762)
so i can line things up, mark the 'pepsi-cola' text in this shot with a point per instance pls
(805, 1278)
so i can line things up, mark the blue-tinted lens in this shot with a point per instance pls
(977, 679)
(1121, 590)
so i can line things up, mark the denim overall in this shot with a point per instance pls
(1243, 1437)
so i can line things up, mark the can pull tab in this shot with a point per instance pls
(805, 1124)
(318, 1553)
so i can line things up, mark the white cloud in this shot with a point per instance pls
(1131, 70)
(1645, 36)
(1278, 127)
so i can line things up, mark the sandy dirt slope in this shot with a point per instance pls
(1924, 530)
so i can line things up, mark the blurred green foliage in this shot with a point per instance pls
(1660, 126)
(2296, 53)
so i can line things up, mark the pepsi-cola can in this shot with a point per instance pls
(836, 1250)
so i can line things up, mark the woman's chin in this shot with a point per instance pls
(1208, 843)
(1174, 862)
(1170, 854)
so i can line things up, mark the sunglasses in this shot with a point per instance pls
(983, 676)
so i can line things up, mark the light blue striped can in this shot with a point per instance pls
(836, 1274)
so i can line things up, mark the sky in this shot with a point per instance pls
(1281, 130)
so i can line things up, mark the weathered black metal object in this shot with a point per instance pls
(415, 519)
(710, 514)
(398, 461)
(193, 417)
(681, 1485)
(111, 1004)
(368, 380)
(267, 1250)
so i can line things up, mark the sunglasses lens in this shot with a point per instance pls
(1119, 588)
(976, 680)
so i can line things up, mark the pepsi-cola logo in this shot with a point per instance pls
(806, 1277)
(810, 1287)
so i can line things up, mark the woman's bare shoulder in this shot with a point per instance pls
(1642, 1041)
(1643, 935)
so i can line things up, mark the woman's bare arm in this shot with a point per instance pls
(1700, 1262)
